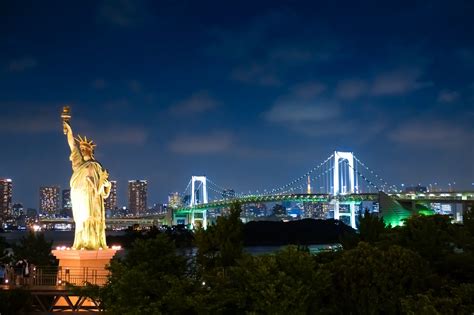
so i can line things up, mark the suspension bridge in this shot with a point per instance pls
(343, 182)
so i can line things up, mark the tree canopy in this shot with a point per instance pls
(422, 267)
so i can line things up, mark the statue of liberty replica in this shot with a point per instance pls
(89, 187)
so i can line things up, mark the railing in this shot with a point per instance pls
(57, 276)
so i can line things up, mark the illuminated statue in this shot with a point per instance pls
(89, 187)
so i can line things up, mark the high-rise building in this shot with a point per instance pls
(315, 210)
(49, 200)
(67, 204)
(18, 210)
(6, 191)
(111, 201)
(228, 194)
(174, 200)
(137, 196)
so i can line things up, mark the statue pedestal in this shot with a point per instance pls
(80, 266)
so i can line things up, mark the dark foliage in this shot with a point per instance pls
(14, 301)
(423, 267)
(302, 232)
(179, 235)
(36, 249)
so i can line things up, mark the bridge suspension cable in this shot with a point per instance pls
(368, 181)
(384, 182)
(187, 187)
(281, 189)
(326, 169)
(215, 185)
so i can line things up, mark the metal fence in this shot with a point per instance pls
(57, 276)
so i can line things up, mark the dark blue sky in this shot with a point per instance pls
(252, 93)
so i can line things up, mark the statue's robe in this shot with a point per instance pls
(87, 198)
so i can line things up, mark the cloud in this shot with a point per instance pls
(324, 128)
(447, 96)
(20, 65)
(135, 86)
(297, 112)
(261, 53)
(254, 73)
(466, 56)
(302, 104)
(216, 142)
(123, 13)
(398, 82)
(35, 118)
(221, 143)
(246, 39)
(38, 118)
(292, 54)
(197, 103)
(121, 134)
(117, 105)
(308, 90)
(351, 89)
(429, 133)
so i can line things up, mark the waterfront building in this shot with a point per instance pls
(6, 192)
(17, 210)
(174, 200)
(31, 213)
(111, 202)
(228, 194)
(49, 200)
(66, 203)
(137, 196)
(315, 210)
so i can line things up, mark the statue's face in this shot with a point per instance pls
(86, 152)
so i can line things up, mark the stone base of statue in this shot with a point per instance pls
(79, 267)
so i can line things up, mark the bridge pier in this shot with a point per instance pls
(201, 219)
(336, 210)
(353, 217)
(351, 214)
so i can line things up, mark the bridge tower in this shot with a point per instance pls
(344, 187)
(195, 199)
(344, 184)
(308, 189)
(194, 196)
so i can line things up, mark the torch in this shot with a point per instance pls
(66, 116)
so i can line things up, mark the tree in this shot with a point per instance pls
(3, 248)
(222, 243)
(151, 279)
(371, 227)
(287, 282)
(14, 301)
(371, 230)
(450, 300)
(368, 280)
(36, 249)
(468, 220)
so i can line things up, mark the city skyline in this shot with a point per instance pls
(251, 95)
(112, 202)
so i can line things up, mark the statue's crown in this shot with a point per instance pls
(85, 142)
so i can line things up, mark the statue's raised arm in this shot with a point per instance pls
(69, 135)
(66, 117)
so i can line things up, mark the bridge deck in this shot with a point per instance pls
(438, 197)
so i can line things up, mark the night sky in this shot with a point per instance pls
(252, 94)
